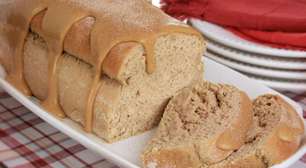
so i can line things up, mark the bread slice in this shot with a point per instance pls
(127, 104)
(202, 125)
(275, 135)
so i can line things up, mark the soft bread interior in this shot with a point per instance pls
(124, 108)
(194, 120)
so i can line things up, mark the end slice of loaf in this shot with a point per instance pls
(202, 125)
(275, 135)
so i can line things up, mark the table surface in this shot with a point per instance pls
(26, 141)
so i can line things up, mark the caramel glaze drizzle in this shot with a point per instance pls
(117, 21)
(54, 35)
(20, 24)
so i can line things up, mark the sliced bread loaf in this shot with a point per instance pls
(201, 125)
(124, 107)
(275, 135)
(109, 65)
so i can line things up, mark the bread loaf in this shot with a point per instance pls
(111, 66)
(202, 125)
(275, 135)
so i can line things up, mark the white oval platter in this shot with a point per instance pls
(126, 153)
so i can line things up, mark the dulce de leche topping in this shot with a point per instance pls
(116, 21)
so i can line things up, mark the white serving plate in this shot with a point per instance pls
(281, 85)
(257, 59)
(225, 37)
(259, 71)
(126, 153)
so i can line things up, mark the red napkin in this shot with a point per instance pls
(293, 41)
(281, 23)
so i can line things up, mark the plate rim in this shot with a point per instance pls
(243, 44)
(250, 69)
(280, 85)
(254, 59)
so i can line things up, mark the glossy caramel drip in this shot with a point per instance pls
(56, 23)
(117, 21)
(232, 138)
(16, 32)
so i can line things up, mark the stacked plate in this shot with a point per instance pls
(280, 69)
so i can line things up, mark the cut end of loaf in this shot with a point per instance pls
(194, 119)
(144, 96)
(267, 114)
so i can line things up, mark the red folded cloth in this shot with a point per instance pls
(276, 15)
(292, 41)
(280, 22)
